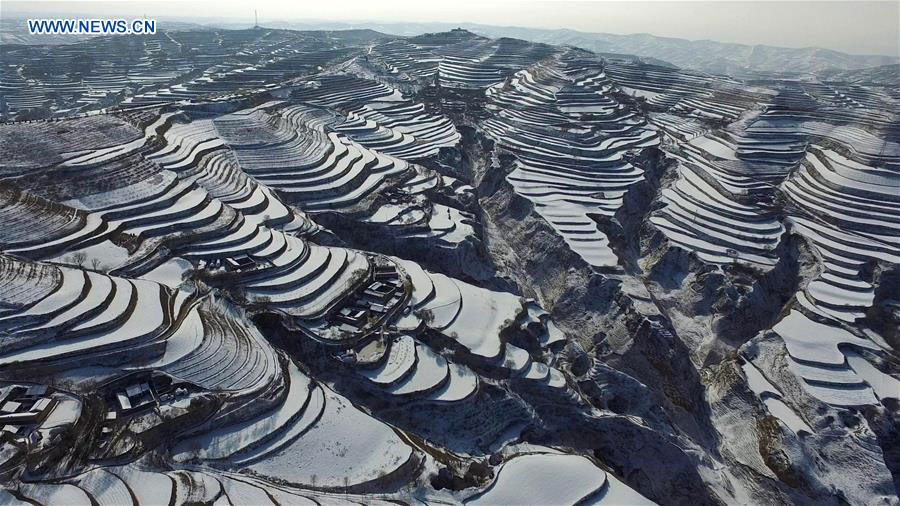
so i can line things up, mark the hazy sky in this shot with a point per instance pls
(849, 26)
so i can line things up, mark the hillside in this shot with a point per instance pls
(701, 55)
(268, 266)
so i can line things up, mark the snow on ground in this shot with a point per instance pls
(240, 492)
(431, 370)
(483, 315)
(714, 147)
(757, 382)
(6, 497)
(640, 93)
(48, 493)
(553, 335)
(771, 397)
(461, 384)
(344, 444)
(224, 441)
(816, 342)
(184, 340)
(401, 357)
(620, 494)
(884, 385)
(787, 416)
(545, 479)
(66, 412)
(106, 253)
(169, 273)
(105, 488)
(516, 359)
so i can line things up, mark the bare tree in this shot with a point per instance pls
(426, 315)
(79, 257)
(95, 264)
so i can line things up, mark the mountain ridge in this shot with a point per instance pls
(704, 55)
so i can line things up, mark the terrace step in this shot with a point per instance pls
(461, 384)
(368, 449)
(195, 487)
(229, 358)
(101, 293)
(240, 492)
(482, 317)
(314, 265)
(148, 487)
(130, 328)
(50, 493)
(114, 314)
(431, 373)
(241, 439)
(817, 357)
(537, 371)
(400, 364)
(311, 414)
(326, 288)
(74, 288)
(529, 478)
(517, 360)
(104, 487)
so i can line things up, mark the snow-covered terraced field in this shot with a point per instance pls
(343, 446)
(312, 171)
(343, 90)
(402, 57)
(87, 313)
(850, 214)
(726, 206)
(271, 266)
(702, 215)
(140, 484)
(402, 129)
(573, 176)
(467, 73)
(547, 478)
(471, 316)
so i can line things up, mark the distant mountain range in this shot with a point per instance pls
(885, 75)
(703, 55)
